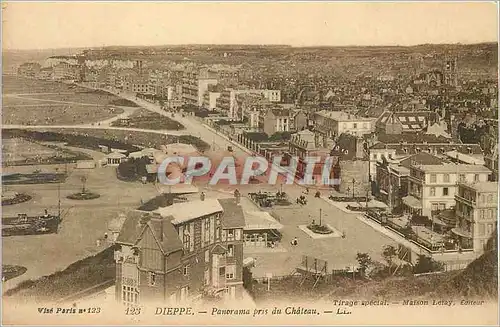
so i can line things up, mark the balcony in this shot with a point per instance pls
(465, 200)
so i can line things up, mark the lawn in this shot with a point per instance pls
(33, 102)
(77, 277)
(92, 138)
(10, 272)
(18, 151)
(149, 120)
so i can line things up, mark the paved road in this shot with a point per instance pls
(193, 126)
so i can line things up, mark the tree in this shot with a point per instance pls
(427, 264)
(389, 253)
(364, 262)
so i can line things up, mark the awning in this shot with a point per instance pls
(412, 202)
(259, 220)
(460, 232)
(178, 189)
(438, 221)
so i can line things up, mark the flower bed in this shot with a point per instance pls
(18, 198)
(319, 229)
(83, 196)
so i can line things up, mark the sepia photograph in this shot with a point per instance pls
(249, 163)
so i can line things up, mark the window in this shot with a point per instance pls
(433, 178)
(217, 229)
(186, 239)
(151, 278)
(130, 295)
(230, 271)
(432, 191)
(490, 198)
(365, 125)
(445, 191)
(434, 206)
(207, 231)
(476, 178)
(230, 234)
(354, 125)
(207, 256)
(230, 250)
(375, 156)
(185, 270)
(461, 178)
(446, 178)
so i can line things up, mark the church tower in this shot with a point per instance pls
(451, 71)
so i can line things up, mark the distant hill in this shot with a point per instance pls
(12, 59)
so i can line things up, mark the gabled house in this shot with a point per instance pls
(180, 252)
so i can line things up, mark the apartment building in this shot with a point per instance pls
(392, 178)
(491, 161)
(180, 252)
(394, 149)
(66, 71)
(476, 211)
(194, 85)
(305, 144)
(277, 120)
(210, 100)
(228, 100)
(433, 187)
(337, 122)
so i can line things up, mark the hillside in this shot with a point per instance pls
(479, 279)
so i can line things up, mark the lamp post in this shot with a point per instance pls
(353, 181)
(320, 217)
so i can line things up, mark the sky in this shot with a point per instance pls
(29, 25)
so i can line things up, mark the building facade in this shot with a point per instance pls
(181, 252)
(477, 214)
(276, 120)
(337, 122)
(194, 85)
(433, 188)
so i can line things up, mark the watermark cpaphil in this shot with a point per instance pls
(228, 170)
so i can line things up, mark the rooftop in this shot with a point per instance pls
(452, 168)
(483, 186)
(341, 116)
(186, 211)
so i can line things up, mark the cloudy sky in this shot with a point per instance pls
(60, 25)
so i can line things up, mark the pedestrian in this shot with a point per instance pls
(106, 236)
(98, 243)
(295, 242)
